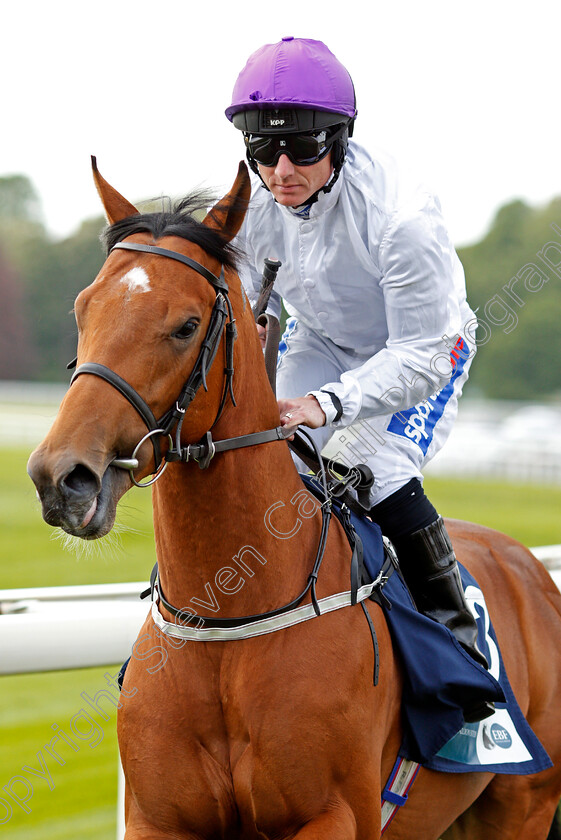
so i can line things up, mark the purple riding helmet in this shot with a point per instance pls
(294, 98)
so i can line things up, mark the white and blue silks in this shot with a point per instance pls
(377, 301)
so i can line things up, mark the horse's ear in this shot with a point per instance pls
(228, 214)
(115, 205)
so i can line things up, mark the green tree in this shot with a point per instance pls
(20, 221)
(519, 358)
(18, 356)
(49, 275)
(19, 200)
(55, 274)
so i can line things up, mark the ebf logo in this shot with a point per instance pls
(501, 736)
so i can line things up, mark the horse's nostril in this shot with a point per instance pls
(79, 482)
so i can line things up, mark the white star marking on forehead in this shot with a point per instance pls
(137, 280)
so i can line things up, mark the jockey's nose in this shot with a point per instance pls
(284, 167)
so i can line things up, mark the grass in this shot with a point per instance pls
(80, 800)
(74, 799)
(31, 555)
(529, 513)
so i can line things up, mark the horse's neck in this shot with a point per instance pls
(229, 536)
(220, 528)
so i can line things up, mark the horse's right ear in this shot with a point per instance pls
(228, 214)
(115, 205)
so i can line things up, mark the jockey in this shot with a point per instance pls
(379, 334)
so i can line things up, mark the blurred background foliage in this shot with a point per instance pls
(520, 344)
(520, 359)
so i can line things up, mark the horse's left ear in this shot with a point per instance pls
(115, 205)
(227, 216)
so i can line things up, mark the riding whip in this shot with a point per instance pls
(270, 323)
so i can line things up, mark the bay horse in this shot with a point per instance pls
(281, 735)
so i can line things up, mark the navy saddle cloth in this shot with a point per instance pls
(439, 677)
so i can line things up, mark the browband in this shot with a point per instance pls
(217, 282)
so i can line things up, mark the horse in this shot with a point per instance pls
(281, 734)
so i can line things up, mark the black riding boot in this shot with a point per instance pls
(431, 572)
(429, 567)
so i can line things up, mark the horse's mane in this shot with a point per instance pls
(180, 221)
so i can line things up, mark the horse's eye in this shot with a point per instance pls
(187, 330)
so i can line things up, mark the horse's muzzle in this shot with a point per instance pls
(74, 497)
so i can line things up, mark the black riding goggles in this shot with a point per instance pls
(303, 149)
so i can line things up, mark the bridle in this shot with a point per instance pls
(221, 322)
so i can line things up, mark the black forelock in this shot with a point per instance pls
(180, 221)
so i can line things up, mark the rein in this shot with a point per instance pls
(326, 512)
(208, 628)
